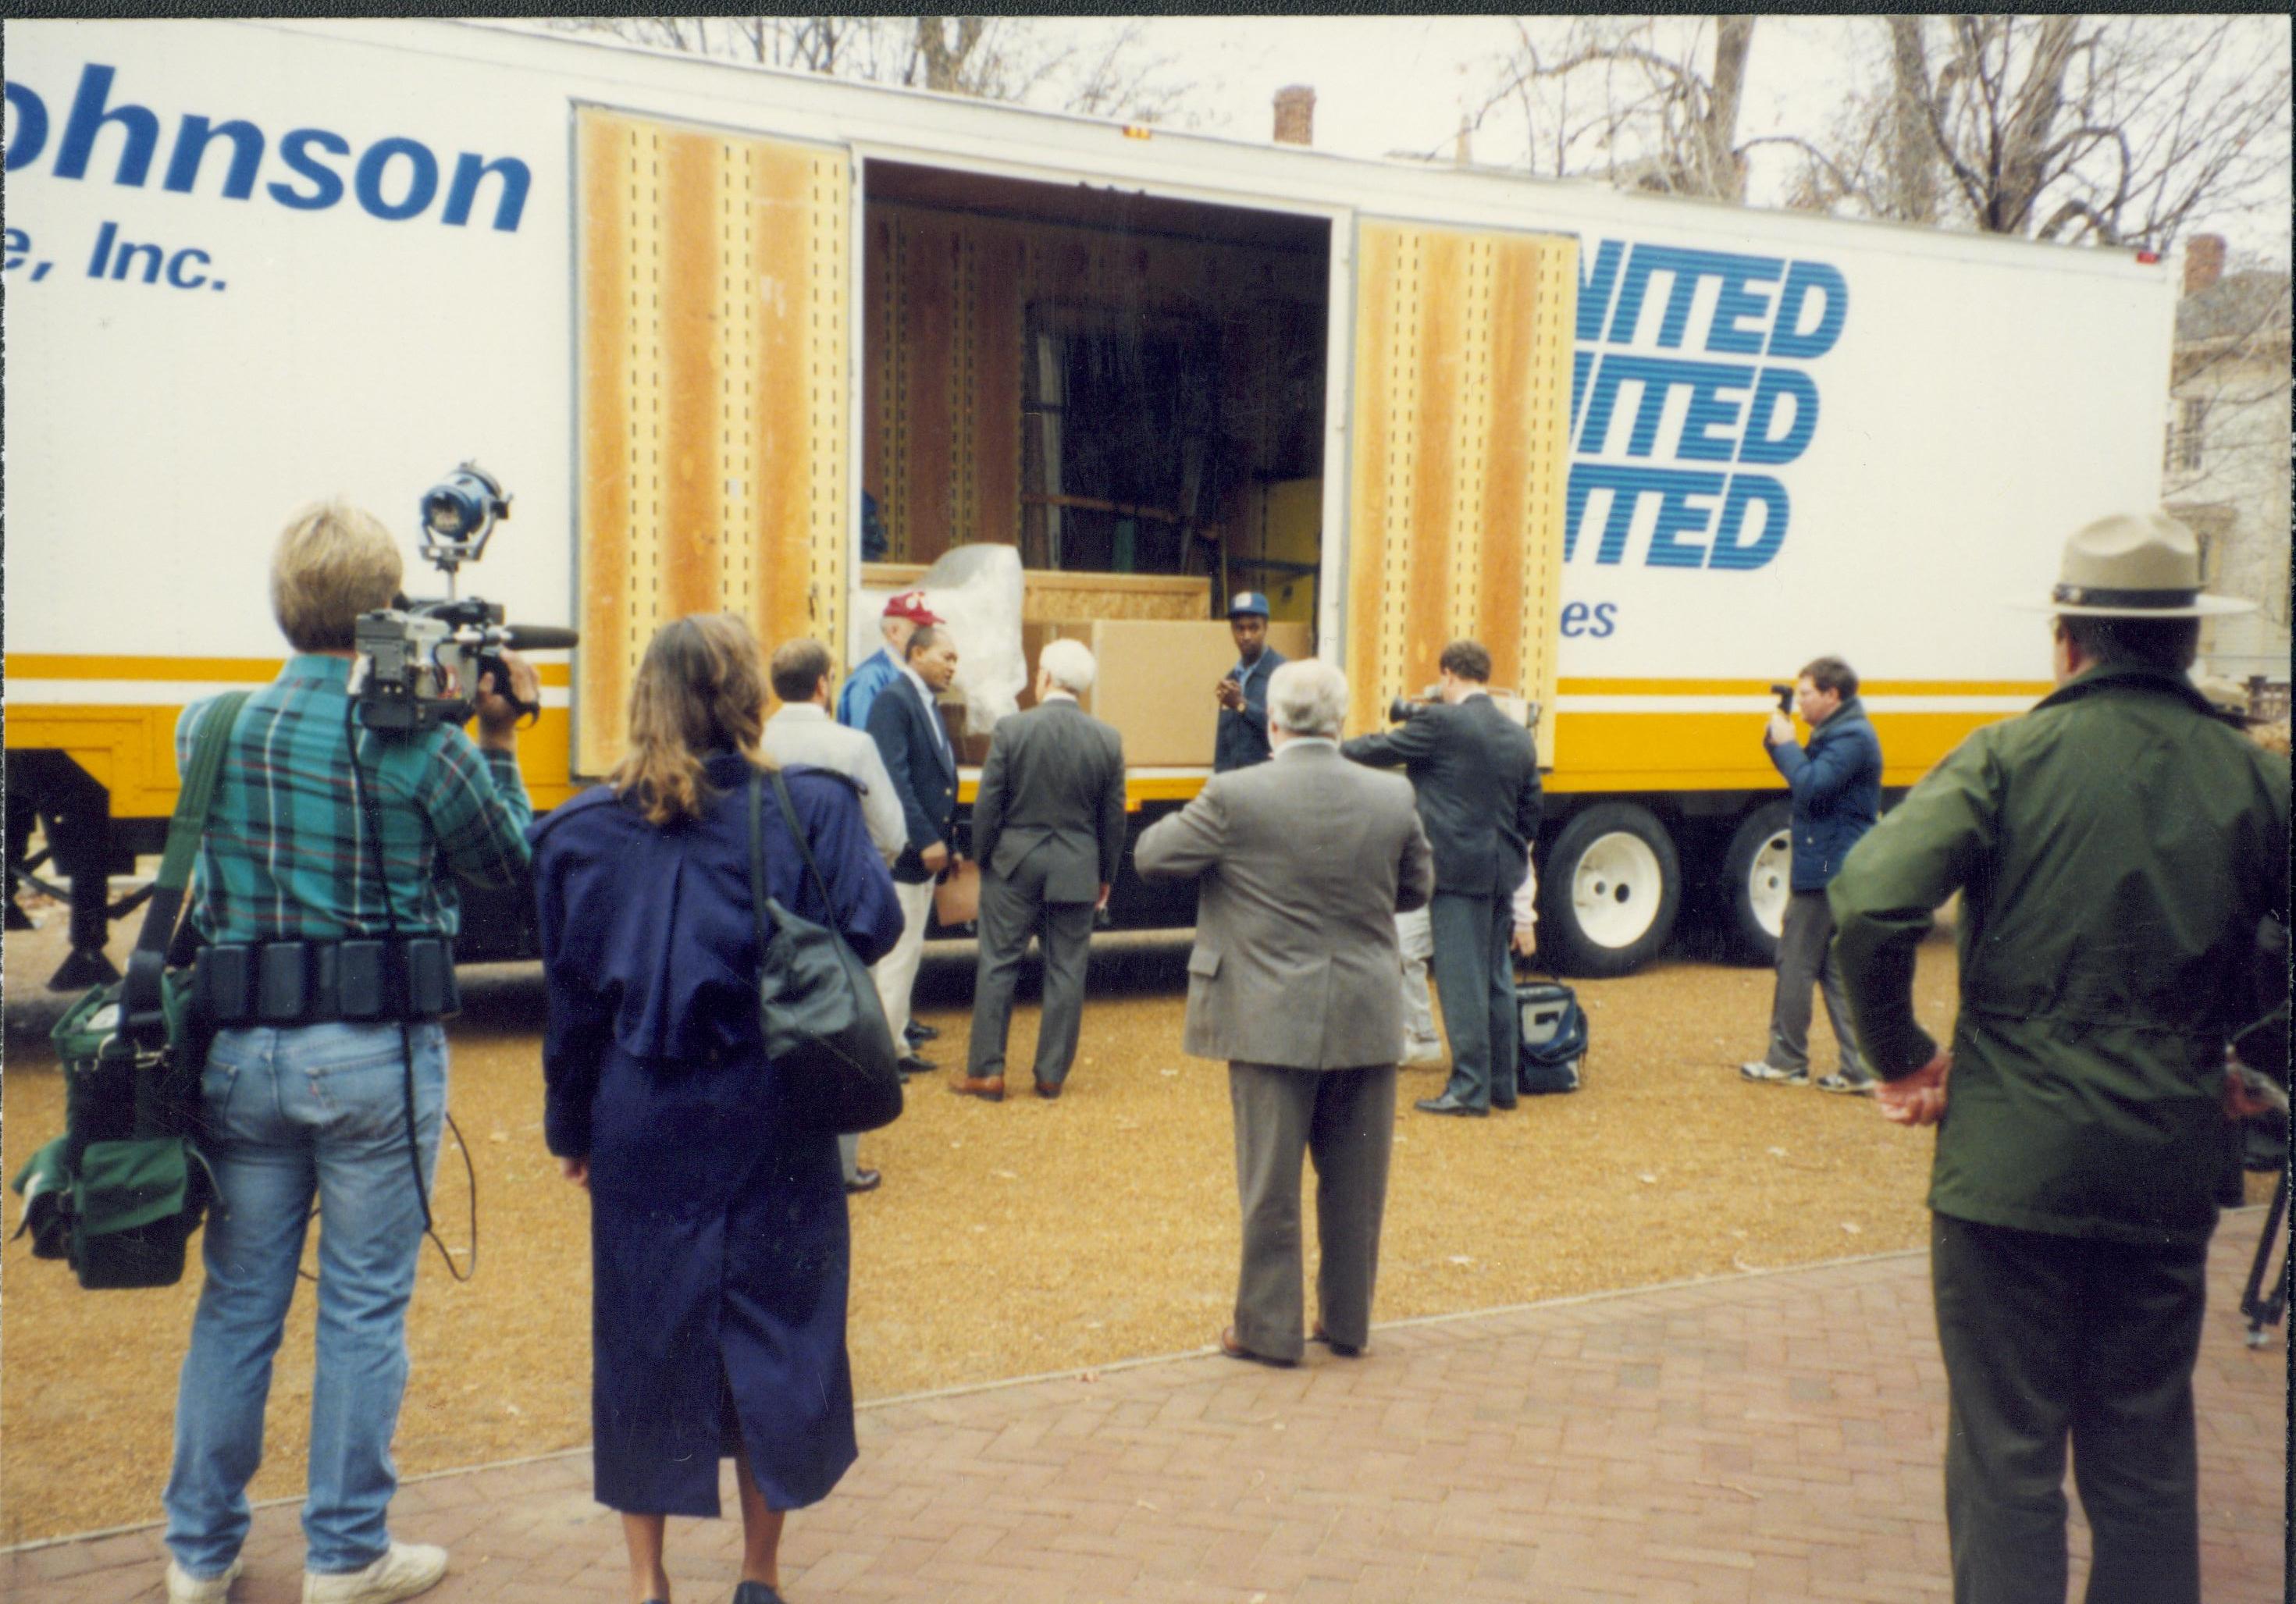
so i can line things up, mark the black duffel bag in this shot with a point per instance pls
(1552, 1056)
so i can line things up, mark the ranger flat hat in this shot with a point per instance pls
(2134, 565)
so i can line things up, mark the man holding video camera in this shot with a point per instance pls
(328, 965)
(1475, 772)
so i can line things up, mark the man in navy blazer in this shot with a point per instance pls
(904, 721)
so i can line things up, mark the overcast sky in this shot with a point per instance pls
(1399, 83)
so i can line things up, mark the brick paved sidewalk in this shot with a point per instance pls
(1763, 1439)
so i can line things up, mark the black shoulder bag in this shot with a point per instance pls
(824, 1029)
(121, 1190)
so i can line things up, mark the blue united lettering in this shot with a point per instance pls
(394, 178)
(1690, 371)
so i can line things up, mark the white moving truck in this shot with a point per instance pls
(1655, 454)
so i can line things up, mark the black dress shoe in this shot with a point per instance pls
(866, 1180)
(919, 1032)
(1448, 1104)
(911, 1064)
(1505, 1104)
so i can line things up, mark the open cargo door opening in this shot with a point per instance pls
(1460, 458)
(1128, 388)
(1116, 383)
(714, 405)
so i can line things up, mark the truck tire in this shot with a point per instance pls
(1757, 880)
(1610, 890)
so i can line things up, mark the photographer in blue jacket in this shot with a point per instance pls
(1835, 782)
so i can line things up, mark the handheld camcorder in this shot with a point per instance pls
(1405, 708)
(1785, 695)
(419, 662)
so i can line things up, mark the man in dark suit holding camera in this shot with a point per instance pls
(904, 721)
(1475, 773)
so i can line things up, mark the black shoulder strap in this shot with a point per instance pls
(797, 833)
(759, 900)
(139, 993)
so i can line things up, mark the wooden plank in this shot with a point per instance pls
(692, 514)
(617, 309)
(714, 427)
(997, 354)
(926, 381)
(1049, 596)
(1460, 433)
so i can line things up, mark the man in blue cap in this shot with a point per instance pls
(1242, 740)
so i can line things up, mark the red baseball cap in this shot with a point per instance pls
(911, 605)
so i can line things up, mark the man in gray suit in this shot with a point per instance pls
(1048, 833)
(1296, 981)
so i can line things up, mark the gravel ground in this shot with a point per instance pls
(1008, 1239)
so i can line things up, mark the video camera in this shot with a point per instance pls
(1405, 707)
(1785, 695)
(419, 662)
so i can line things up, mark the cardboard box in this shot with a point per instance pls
(1155, 682)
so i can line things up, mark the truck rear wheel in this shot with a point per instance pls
(1610, 891)
(1757, 879)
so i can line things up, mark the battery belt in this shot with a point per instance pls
(358, 980)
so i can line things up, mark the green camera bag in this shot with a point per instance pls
(118, 1194)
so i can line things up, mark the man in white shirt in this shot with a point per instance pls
(802, 732)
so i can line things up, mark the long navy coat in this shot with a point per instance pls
(719, 1238)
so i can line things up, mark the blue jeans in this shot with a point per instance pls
(318, 1110)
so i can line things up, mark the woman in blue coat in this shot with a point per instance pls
(718, 1233)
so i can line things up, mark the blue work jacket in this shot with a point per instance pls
(1836, 785)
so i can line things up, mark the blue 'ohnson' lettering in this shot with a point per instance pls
(396, 178)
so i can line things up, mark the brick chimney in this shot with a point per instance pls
(2205, 261)
(1295, 115)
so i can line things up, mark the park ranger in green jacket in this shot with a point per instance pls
(2117, 850)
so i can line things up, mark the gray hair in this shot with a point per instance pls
(1070, 665)
(1307, 697)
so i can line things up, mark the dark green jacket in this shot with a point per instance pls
(2116, 849)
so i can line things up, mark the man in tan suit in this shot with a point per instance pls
(1296, 981)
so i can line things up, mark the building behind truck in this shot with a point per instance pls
(1655, 453)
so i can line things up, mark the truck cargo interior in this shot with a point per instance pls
(1128, 388)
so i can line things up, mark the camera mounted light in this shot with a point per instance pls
(420, 663)
(458, 514)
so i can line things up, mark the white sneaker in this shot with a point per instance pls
(407, 1570)
(184, 1588)
(1426, 1049)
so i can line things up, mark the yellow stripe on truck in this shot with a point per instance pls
(131, 750)
(1723, 751)
(173, 670)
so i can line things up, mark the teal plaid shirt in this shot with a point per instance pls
(287, 855)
